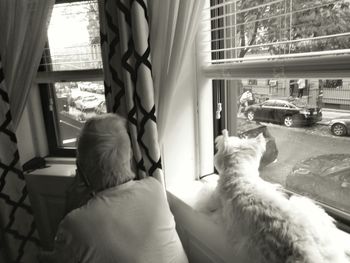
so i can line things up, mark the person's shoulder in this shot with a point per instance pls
(78, 216)
(78, 224)
(72, 219)
(150, 182)
(150, 187)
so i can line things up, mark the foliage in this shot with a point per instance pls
(333, 83)
(93, 23)
(266, 27)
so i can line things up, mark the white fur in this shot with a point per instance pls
(272, 227)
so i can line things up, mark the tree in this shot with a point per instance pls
(288, 20)
(93, 26)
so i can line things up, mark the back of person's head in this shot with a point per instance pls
(104, 151)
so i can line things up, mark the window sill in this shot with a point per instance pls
(204, 237)
(60, 160)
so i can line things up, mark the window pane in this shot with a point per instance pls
(264, 29)
(73, 37)
(309, 120)
(74, 103)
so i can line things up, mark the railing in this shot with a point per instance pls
(339, 96)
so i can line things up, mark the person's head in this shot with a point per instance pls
(104, 152)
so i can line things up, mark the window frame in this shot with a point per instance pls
(45, 80)
(342, 219)
(322, 67)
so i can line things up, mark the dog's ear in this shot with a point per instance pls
(220, 141)
(225, 133)
(261, 141)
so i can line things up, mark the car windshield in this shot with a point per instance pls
(269, 103)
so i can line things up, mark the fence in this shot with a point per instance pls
(336, 98)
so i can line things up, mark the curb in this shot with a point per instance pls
(323, 123)
(336, 110)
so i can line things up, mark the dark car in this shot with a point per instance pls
(325, 178)
(340, 127)
(283, 112)
(271, 152)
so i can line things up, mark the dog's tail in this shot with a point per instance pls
(321, 230)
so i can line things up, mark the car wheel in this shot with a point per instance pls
(338, 129)
(250, 115)
(288, 121)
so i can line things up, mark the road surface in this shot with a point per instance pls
(297, 144)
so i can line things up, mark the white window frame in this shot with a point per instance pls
(310, 66)
(51, 77)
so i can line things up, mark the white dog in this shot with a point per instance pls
(271, 226)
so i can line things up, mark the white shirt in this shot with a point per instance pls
(131, 222)
(301, 83)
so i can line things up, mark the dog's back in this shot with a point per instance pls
(260, 213)
(274, 227)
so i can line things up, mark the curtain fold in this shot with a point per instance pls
(23, 27)
(128, 77)
(23, 34)
(173, 26)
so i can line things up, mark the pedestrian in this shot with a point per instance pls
(244, 101)
(291, 87)
(125, 220)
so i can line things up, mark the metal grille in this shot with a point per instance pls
(250, 30)
(73, 38)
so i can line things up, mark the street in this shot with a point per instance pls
(71, 121)
(325, 179)
(297, 144)
(69, 130)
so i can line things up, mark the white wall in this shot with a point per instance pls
(179, 149)
(24, 138)
(31, 135)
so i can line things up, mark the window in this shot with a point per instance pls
(70, 73)
(252, 82)
(272, 82)
(332, 83)
(297, 53)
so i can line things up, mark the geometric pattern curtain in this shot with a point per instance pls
(128, 78)
(19, 240)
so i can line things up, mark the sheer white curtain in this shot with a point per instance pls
(23, 25)
(173, 25)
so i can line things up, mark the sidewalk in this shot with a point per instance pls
(330, 114)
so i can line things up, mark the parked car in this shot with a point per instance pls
(62, 91)
(100, 89)
(271, 152)
(340, 127)
(101, 108)
(283, 112)
(87, 103)
(325, 178)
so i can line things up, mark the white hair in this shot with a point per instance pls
(104, 152)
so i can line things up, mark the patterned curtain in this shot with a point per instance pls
(23, 33)
(128, 77)
(16, 218)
